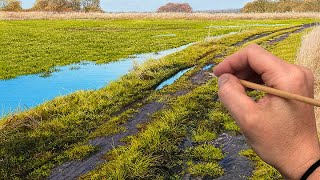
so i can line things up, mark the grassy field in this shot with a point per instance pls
(37, 46)
(174, 140)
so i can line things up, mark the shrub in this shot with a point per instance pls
(176, 7)
(261, 6)
(67, 5)
(10, 5)
(91, 5)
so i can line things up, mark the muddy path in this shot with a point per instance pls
(74, 169)
(286, 35)
(234, 165)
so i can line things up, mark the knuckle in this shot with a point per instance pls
(252, 47)
(297, 74)
(309, 74)
(224, 90)
(301, 79)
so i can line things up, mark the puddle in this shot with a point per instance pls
(28, 91)
(172, 79)
(207, 67)
(249, 25)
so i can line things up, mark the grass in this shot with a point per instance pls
(32, 143)
(262, 169)
(218, 121)
(160, 141)
(37, 46)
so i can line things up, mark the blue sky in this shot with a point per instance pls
(152, 5)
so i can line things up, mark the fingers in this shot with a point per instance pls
(252, 60)
(233, 96)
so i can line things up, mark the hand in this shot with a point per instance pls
(282, 132)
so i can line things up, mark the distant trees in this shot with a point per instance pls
(10, 5)
(176, 7)
(91, 5)
(260, 6)
(67, 5)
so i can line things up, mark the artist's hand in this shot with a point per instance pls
(282, 132)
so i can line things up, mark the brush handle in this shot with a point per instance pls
(280, 93)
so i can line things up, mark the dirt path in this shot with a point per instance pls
(286, 35)
(74, 169)
(235, 166)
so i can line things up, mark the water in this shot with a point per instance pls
(207, 67)
(28, 91)
(172, 79)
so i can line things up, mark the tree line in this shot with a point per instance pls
(273, 6)
(54, 5)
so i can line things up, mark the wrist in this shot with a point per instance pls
(315, 175)
(302, 160)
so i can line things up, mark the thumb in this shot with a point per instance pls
(233, 95)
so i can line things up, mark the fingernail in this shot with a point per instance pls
(222, 80)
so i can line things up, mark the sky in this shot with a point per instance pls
(153, 5)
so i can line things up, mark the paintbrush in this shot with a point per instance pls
(279, 93)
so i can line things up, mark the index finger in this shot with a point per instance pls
(252, 59)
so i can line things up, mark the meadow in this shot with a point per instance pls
(129, 130)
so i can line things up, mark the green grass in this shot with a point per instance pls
(262, 169)
(205, 169)
(37, 46)
(206, 152)
(32, 143)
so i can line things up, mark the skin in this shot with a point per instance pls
(282, 132)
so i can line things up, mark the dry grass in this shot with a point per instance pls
(309, 56)
(202, 16)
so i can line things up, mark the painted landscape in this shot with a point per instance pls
(94, 95)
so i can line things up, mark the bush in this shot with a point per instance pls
(91, 6)
(176, 7)
(67, 5)
(10, 5)
(261, 6)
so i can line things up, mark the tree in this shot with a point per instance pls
(40, 5)
(176, 7)
(91, 5)
(10, 5)
(75, 5)
(67, 5)
(259, 6)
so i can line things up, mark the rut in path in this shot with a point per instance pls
(74, 169)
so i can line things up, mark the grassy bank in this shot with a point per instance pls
(34, 142)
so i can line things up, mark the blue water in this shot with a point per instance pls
(207, 67)
(172, 79)
(28, 91)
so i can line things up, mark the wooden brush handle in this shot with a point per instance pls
(280, 93)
